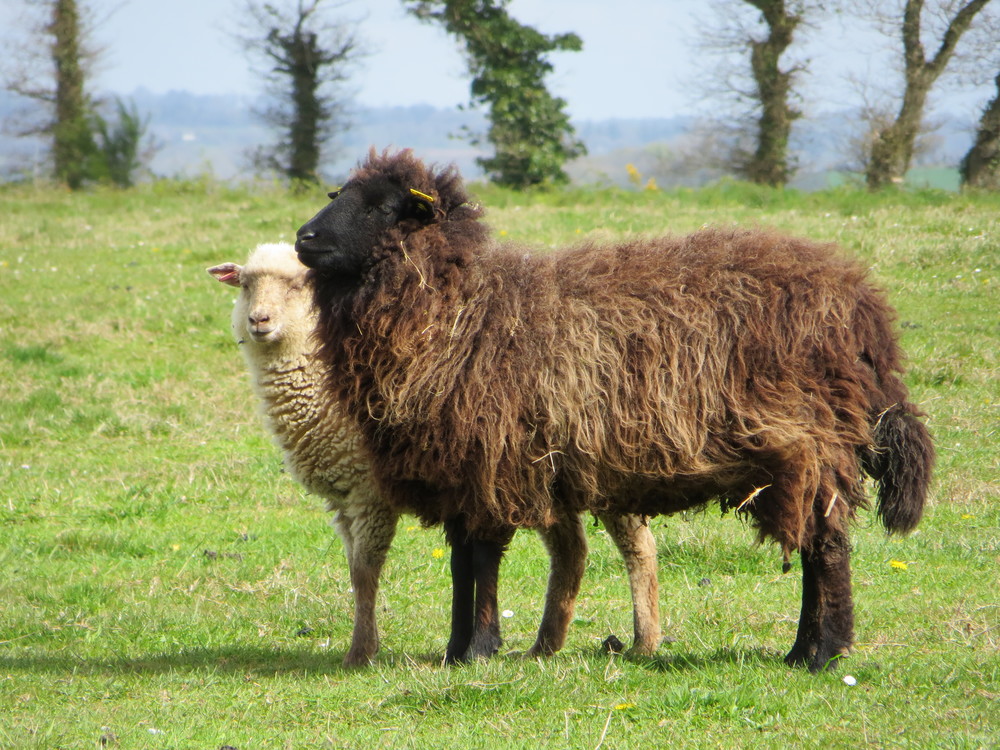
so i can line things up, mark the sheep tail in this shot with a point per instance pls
(900, 462)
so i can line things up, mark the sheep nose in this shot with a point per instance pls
(258, 318)
(305, 235)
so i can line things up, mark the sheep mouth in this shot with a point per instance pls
(312, 252)
(263, 335)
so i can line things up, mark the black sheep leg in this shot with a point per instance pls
(475, 570)
(808, 633)
(826, 627)
(463, 588)
(486, 557)
(833, 585)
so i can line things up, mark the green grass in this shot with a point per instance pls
(165, 585)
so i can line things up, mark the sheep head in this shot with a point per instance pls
(390, 194)
(275, 305)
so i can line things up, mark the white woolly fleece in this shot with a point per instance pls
(321, 446)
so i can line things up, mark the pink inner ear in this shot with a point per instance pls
(227, 273)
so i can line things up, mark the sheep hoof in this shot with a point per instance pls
(539, 650)
(642, 649)
(799, 656)
(455, 654)
(816, 657)
(482, 648)
(825, 661)
(480, 652)
(358, 658)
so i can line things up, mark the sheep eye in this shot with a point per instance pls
(385, 209)
(333, 195)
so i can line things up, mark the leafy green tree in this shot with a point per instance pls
(529, 130)
(52, 69)
(307, 58)
(118, 155)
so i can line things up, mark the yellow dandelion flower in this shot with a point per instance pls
(624, 706)
(897, 564)
(503, 232)
(437, 553)
(966, 516)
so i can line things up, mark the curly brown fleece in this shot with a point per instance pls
(647, 376)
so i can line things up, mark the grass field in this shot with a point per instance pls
(164, 585)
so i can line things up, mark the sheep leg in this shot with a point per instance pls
(826, 626)
(486, 558)
(463, 588)
(635, 542)
(566, 541)
(807, 636)
(833, 587)
(367, 538)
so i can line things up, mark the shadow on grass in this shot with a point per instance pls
(231, 659)
(261, 661)
(688, 661)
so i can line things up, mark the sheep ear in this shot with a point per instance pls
(419, 206)
(227, 273)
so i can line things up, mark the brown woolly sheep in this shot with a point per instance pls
(501, 388)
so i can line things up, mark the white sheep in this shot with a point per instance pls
(273, 321)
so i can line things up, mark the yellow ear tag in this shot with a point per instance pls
(418, 194)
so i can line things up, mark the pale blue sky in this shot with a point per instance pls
(632, 52)
(640, 58)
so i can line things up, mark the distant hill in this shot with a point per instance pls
(211, 135)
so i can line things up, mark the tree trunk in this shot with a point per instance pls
(892, 148)
(303, 133)
(307, 55)
(981, 165)
(768, 165)
(73, 143)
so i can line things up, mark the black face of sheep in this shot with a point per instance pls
(338, 240)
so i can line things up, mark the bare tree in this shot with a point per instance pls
(761, 94)
(52, 67)
(307, 58)
(892, 146)
(54, 73)
(980, 167)
(769, 163)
